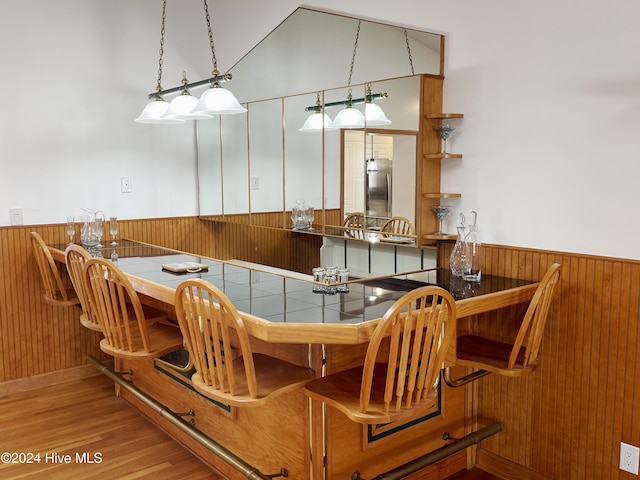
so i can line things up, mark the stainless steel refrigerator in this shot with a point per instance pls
(378, 189)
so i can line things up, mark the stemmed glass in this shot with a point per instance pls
(310, 216)
(113, 230)
(441, 212)
(445, 130)
(99, 223)
(71, 229)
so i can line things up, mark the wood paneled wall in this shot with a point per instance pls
(36, 338)
(568, 419)
(564, 422)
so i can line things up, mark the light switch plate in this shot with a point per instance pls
(16, 216)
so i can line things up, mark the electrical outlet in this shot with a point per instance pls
(629, 458)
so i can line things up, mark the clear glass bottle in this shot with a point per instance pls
(457, 260)
(473, 269)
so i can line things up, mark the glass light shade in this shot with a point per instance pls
(374, 115)
(155, 112)
(182, 107)
(372, 166)
(316, 122)
(218, 101)
(349, 117)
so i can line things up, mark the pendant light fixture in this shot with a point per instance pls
(156, 110)
(372, 166)
(318, 120)
(217, 100)
(182, 105)
(373, 114)
(350, 117)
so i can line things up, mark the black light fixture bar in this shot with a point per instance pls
(367, 98)
(208, 81)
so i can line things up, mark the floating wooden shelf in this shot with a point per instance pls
(441, 195)
(443, 155)
(441, 116)
(439, 237)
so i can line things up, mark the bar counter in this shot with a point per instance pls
(281, 307)
(326, 333)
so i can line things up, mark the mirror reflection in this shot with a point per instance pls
(255, 168)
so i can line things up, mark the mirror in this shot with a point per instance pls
(377, 186)
(253, 168)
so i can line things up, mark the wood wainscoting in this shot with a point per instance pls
(40, 343)
(568, 419)
(565, 422)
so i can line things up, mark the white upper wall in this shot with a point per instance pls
(550, 91)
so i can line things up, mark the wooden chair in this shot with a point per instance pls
(55, 292)
(398, 226)
(398, 382)
(354, 225)
(121, 317)
(512, 360)
(218, 343)
(75, 258)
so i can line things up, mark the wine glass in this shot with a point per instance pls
(441, 212)
(113, 230)
(71, 229)
(445, 130)
(99, 224)
(310, 214)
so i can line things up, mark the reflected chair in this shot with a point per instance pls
(402, 364)
(115, 303)
(398, 226)
(55, 292)
(75, 258)
(218, 344)
(354, 225)
(510, 359)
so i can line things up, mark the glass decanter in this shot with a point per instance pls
(457, 259)
(473, 270)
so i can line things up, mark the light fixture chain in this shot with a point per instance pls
(211, 44)
(164, 10)
(353, 57)
(406, 37)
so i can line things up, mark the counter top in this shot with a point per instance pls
(283, 308)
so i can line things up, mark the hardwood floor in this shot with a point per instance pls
(59, 427)
(81, 430)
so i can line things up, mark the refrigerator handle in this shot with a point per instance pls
(389, 194)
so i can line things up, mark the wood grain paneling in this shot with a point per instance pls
(36, 338)
(568, 419)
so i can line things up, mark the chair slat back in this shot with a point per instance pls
(109, 292)
(75, 258)
(420, 327)
(354, 224)
(54, 289)
(532, 328)
(398, 226)
(206, 315)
